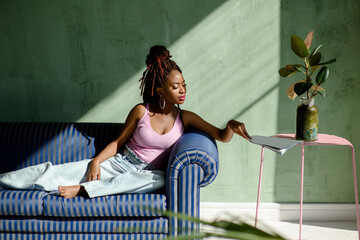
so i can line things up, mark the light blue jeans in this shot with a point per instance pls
(122, 173)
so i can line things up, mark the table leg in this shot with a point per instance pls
(301, 189)
(356, 191)
(259, 186)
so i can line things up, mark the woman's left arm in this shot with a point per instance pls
(191, 119)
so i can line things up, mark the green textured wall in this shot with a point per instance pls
(81, 60)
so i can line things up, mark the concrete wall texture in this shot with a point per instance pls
(81, 60)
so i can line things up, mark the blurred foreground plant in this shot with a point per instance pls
(223, 229)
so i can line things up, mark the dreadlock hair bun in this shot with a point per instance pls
(159, 65)
(157, 53)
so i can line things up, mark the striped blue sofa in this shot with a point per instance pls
(193, 163)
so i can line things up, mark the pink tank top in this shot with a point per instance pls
(150, 146)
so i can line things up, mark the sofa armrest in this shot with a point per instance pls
(193, 163)
(194, 148)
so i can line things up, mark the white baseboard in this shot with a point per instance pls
(278, 211)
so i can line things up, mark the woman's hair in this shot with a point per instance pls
(159, 67)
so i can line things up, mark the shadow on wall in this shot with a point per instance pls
(59, 59)
(336, 25)
(52, 142)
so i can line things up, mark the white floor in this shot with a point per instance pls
(311, 230)
(283, 219)
(315, 230)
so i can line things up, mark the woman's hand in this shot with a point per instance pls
(238, 128)
(94, 171)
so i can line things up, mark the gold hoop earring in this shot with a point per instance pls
(162, 102)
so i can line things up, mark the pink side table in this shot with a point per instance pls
(323, 139)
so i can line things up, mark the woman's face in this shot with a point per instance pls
(174, 89)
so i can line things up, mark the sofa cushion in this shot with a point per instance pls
(21, 203)
(87, 236)
(75, 236)
(27, 224)
(132, 205)
(84, 225)
(106, 225)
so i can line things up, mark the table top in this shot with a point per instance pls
(323, 139)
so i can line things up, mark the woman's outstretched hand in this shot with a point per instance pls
(94, 171)
(239, 128)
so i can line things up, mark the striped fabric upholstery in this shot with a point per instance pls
(23, 224)
(194, 164)
(109, 225)
(21, 236)
(27, 144)
(21, 203)
(84, 225)
(75, 236)
(129, 205)
(105, 236)
(189, 197)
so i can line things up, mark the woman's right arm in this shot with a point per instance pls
(114, 147)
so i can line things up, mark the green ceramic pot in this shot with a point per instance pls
(307, 120)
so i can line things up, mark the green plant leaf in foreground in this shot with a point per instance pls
(299, 47)
(235, 228)
(301, 87)
(223, 229)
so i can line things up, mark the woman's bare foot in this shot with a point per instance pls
(71, 191)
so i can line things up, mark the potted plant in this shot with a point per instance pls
(307, 113)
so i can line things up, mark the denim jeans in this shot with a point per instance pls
(122, 173)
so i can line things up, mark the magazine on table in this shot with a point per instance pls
(278, 145)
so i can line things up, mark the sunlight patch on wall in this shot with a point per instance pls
(230, 62)
(231, 58)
